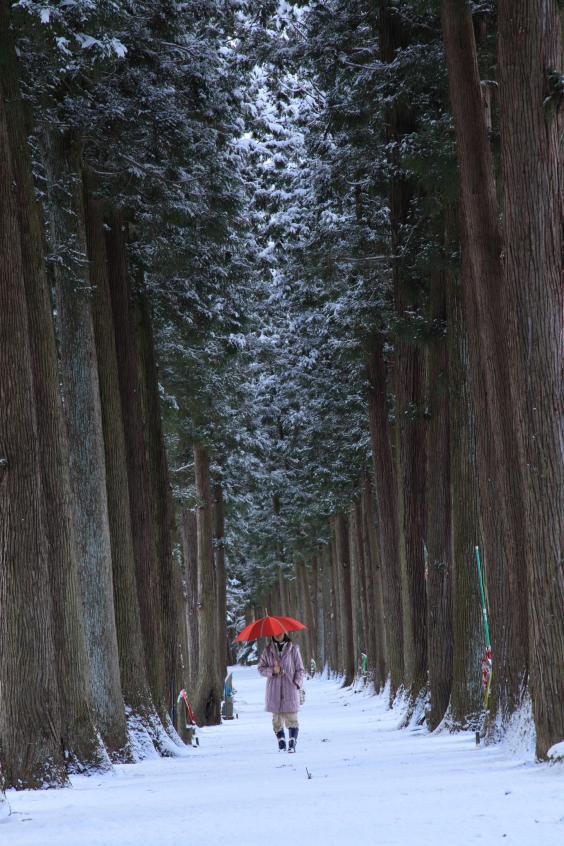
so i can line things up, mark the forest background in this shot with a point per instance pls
(280, 328)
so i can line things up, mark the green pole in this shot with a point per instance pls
(483, 595)
(488, 640)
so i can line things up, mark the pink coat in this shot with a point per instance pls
(282, 692)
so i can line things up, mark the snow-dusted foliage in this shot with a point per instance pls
(245, 146)
(316, 101)
(300, 436)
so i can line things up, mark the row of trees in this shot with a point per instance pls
(93, 632)
(428, 243)
(326, 225)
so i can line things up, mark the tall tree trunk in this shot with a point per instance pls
(366, 599)
(411, 459)
(207, 701)
(182, 656)
(80, 740)
(387, 511)
(298, 608)
(283, 592)
(345, 610)
(339, 667)
(30, 718)
(356, 589)
(395, 34)
(367, 612)
(330, 638)
(282, 581)
(190, 555)
(160, 492)
(142, 524)
(219, 556)
(308, 619)
(292, 598)
(530, 57)
(314, 603)
(499, 468)
(439, 511)
(468, 635)
(221, 581)
(378, 659)
(140, 710)
(293, 609)
(81, 392)
(319, 608)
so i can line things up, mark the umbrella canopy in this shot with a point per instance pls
(269, 626)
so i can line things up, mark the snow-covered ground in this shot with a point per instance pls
(355, 779)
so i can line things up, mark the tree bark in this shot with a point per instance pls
(395, 34)
(81, 742)
(411, 461)
(190, 555)
(367, 612)
(81, 392)
(530, 54)
(320, 609)
(378, 660)
(142, 524)
(439, 512)
(468, 635)
(366, 599)
(30, 718)
(387, 512)
(356, 588)
(313, 600)
(308, 618)
(207, 701)
(292, 598)
(499, 468)
(221, 582)
(161, 493)
(141, 715)
(330, 639)
(345, 609)
(182, 660)
(339, 666)
(283, 592)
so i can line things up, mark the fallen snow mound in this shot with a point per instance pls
(556, 752)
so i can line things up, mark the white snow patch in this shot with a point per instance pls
(556, 752)
(520, 737)
(87, 41)
(119, 49)
(4, 808)
(63, 45)
(368, 783)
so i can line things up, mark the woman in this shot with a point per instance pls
(283, 667)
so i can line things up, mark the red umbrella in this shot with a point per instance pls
(269, 626)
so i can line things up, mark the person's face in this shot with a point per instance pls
(279, 638)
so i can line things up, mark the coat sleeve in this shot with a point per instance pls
(298, 667)
(264, 667)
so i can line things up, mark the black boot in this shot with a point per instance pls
(293, 732)
(281, 740)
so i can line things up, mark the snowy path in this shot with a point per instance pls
(369, 783)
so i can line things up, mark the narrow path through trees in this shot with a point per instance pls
(369, 783)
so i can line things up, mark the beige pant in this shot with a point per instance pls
(290, 720)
